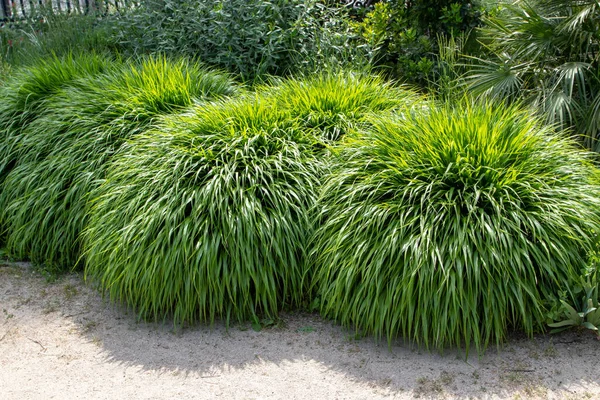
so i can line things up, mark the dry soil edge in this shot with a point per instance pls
(61, 340)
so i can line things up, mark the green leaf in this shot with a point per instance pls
(256, 325)
(594, 317)
(572, 313)
(588, 325)
(564, 323)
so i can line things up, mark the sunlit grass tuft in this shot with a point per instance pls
(333, 103)
(207, 217)
(450, 227)
(27, 91)
(43, 203)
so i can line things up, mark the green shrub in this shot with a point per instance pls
(24, 96)
(64, 152)
(330, 104)
(451, 226)
(250, 38)
(207, 216)
(407, 36)
(445, 16)
(324, 39)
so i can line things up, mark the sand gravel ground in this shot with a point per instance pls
(61, 340)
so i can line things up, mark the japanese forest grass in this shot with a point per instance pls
(64, 153)
(333, 103)
(206, 217)
(219, 202)
(25, 96)
(452, 226)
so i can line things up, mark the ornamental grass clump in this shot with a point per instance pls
(25, 96)
(207, 217)
(452, 226)
(333, 103)
(43, 203)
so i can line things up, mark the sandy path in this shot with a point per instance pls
(61, 340)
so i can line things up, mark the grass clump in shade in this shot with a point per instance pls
(452, 226)
(48, 33)
(207, 217)
(25, 96)
(333, 103)
(43, 203)
(5, 70)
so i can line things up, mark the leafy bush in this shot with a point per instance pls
(545, 54)
(64, 152)
(250, 38)
(207, 217)
(402, 50)
(324, 39)
(439, 220)
(25, 94)
(330, 104)
(444, 16)
(407, 35)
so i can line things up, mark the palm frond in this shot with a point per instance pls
(501, 79)
(557, 49)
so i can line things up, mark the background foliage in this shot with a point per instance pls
(546, 54)
(251, 38)
(49, 34)
(407, 34)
